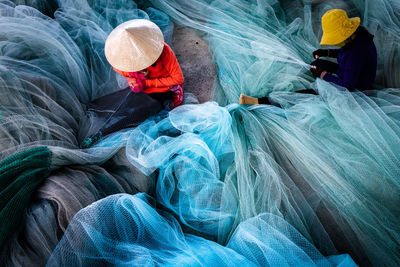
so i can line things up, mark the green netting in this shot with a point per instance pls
(20, 176)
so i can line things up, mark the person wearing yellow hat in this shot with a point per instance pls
(136, 50)
(357, 57)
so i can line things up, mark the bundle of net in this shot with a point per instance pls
(133, 230)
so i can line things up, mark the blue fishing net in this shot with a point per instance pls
(256, 184)
(139, 234)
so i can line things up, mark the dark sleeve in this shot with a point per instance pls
(333, 53)
(352, 69)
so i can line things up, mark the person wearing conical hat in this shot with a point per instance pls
(357, 56)
(136, 50)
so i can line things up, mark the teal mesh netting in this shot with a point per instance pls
(320, 174)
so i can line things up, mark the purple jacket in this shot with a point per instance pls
(357, 63)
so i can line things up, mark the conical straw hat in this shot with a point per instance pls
(134, 45)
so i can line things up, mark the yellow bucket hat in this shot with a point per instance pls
(337, 27)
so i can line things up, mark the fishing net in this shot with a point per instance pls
(138, 233)
(257, 184)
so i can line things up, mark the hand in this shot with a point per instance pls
(137, 82)
(316, 71)
(134, 85)
(320, 53)
(131, 81)
(140, 79)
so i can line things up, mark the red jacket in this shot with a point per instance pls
(163, 74)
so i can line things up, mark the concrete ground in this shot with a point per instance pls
(196, 62)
